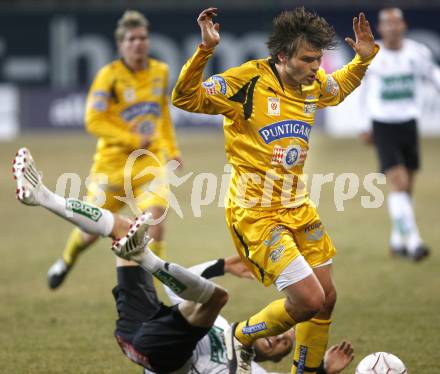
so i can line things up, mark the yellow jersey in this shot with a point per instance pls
(122, 104)
(267, 126)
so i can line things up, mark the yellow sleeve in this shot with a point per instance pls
(337, 86)
(99, 120)
(168, 134)
(211, 97)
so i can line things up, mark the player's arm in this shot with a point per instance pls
(167, 129)
(428, 68)
(190, 92)
(338, 85)
(98, 118)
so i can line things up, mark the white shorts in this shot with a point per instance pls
(296, 271)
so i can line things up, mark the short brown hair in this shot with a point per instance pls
(292, 28)
(130, 20)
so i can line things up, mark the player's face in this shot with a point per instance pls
(134, 45)
(302, 67)
(274, 348)
(391, 25)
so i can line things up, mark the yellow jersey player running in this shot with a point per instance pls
(128, 110)
(269, 107)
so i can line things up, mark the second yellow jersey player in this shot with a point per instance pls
(128, 111)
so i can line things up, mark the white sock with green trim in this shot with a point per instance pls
(87, 217)
(181, 281)
(402, 215)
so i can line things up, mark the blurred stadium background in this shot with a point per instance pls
(49, 53)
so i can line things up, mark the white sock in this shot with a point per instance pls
(397, 240)
(87, 217)
(402, 215)
(181, 281)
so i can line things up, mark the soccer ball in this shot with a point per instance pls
(381, 363)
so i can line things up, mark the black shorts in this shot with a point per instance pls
(149, 333)
(397, 144)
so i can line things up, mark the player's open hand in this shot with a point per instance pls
(210, 30)
(234, 265)
(364, 45)
(338, 357)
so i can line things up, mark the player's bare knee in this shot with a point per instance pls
(219, 297)
(120, 226)
(156, 232)
(313, 304)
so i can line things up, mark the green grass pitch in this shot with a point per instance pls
(383, 304)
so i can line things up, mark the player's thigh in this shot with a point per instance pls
(265, 245)
(152, 195)
(105, 196)
(307, 292)
(388, 147)
(310, 235)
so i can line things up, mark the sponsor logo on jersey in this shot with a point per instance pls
(332, 86)
(146, 128)
(222, 83)
(275, 255)
(99, 100)
(218, 349)
(397, 87)
(129, 94)
(273, 106)
(285, 129)
(139, 109)
(210, 87)
(86, 210)
(315, 231)
(288, 157)
(291, 156)
(310, 108)
(215, 85)
(254, 328)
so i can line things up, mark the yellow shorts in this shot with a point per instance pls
(113, 193)
(268, 240)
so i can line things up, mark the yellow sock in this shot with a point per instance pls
(158, 248)
(74, 247)
(311, 343)
(272, 320)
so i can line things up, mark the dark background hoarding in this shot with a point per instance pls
(65, 49)
(53, 56)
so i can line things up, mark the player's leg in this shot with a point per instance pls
(156, 232)
(401, 210)
(136, 303)
(388, 148)
(81, 239)
(87, 217)
(312, 335)
(155, 201)
(184, 283)
(32, 191)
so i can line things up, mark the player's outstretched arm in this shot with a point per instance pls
(338, 357)
(364, 45)
(190, 92)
